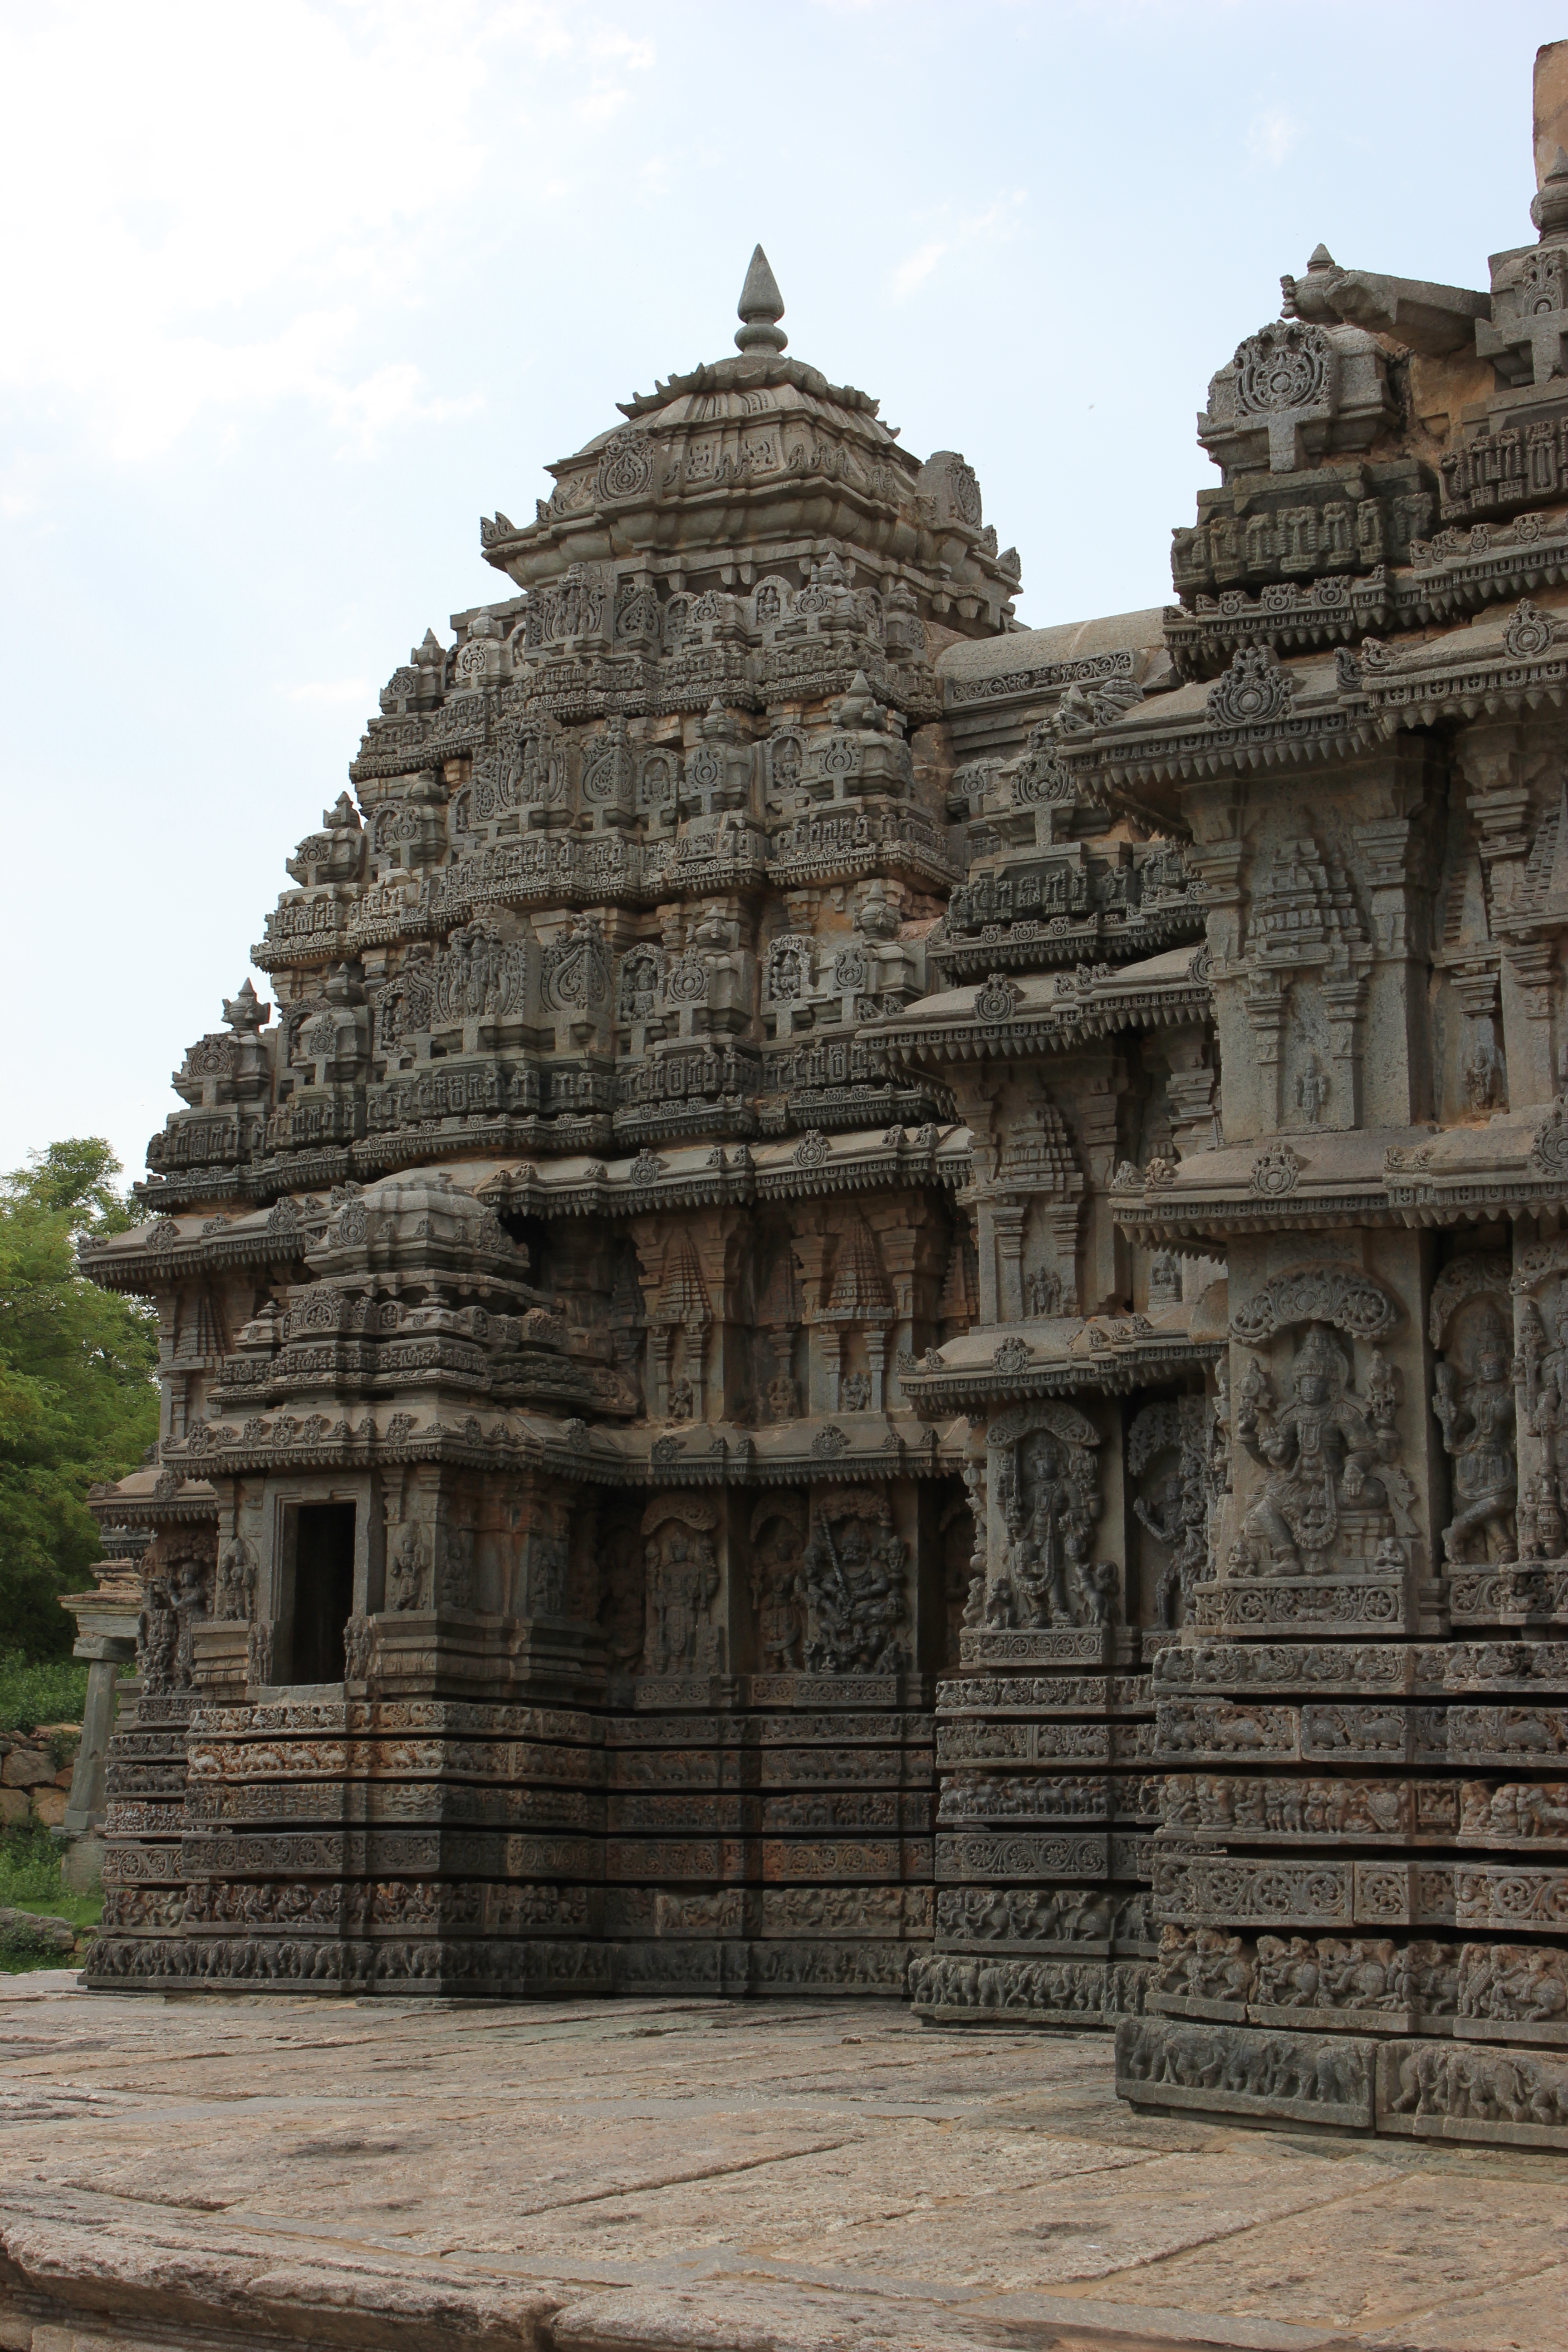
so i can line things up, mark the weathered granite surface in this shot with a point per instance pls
(648, 2174)
(889, 1312)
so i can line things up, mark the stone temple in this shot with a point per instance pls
(885, 1311)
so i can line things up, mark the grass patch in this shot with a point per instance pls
(31, 1880)
(52, 1690)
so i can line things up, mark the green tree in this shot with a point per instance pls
(78, 1397)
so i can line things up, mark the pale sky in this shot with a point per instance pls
(293, 291)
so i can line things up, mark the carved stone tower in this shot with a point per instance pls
(889, 1310)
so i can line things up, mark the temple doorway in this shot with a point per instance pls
(323, 1562)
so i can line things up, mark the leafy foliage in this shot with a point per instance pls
(79, 1399)
(31, 1880)
(50, 1690)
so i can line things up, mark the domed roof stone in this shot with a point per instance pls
(760, 459)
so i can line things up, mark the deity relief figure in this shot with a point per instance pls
(454, 1567)
(1540, 1372)
(1312, 1092)
(1171, 1441)
(1048, 1498)
(157, 1639)
(776, 1589)
(176, 1592)
(405, 1566)
(235, 1590)
(1043, 1291)
(853, 1584)
(1474, 1405)
(1318, 1451)
(683, 1580)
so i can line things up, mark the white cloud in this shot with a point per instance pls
(603, 103)
(217, 206)
(990, 226)
(1270, 136)
(636, 55)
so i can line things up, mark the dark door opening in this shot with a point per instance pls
(323, 1590)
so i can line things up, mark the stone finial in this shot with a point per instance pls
(761, 306)
(1549, 209)
(1303, 298)
(244, 1012)
(1549, 107)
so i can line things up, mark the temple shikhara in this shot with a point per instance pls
(883, 1306)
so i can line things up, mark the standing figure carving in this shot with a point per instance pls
(235, 1592)
(1048, 1495)
(1167, 1451)
(1473, 1402)
(776, 1586)
(1319, 1452)
(682, 1580)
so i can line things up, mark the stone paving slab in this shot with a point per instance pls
(616, 2177)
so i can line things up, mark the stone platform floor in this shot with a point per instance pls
(613, 2177)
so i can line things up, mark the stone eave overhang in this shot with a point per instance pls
(1302, 616)
(892, 856)
(1190, 1226)
(1113, 1367)
(1026, 945)
(258, 1182)
(856, 1161)
(158, 1262)
(1469, 675)
(1316, 1178)
(1478, 1202)
(813, 1165)
(1064, 1022)
(755, 372)
(1515, 1166)
(1497, 564)
(1160, 1221)
(834, 1447)
(1028, 683)
(193, 1499)
(852, 1446)
(1506, 665)
(1124, 761)
(805, 1170)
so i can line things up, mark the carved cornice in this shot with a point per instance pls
(1507, 667)
(1183, 739)
(1004, 1020)
(1027, 945)
(1021, 685)
(1101, 1355)
(1453, 574)
(1313, 1181)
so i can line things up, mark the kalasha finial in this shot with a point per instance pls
(761, 306)
(1549, 209)
(244, 1012)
